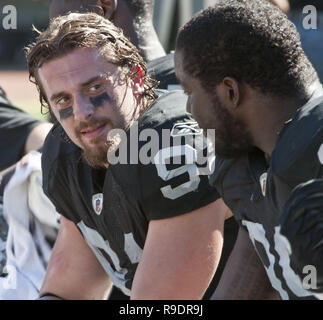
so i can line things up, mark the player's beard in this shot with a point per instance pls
(95, 154)
(96, 157)
(231, 137)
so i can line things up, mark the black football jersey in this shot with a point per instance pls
(112, 208)
(162, 69)
(15, 126)
(256, 191)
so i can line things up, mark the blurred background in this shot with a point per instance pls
(169, 15)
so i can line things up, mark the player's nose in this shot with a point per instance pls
(83, 110)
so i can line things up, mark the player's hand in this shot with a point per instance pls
(302, 224)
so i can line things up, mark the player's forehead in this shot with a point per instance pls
(74, 70)
(183, 77)
(178, 60)
(62, 7)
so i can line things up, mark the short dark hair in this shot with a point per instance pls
(251, 41)
(85, 30)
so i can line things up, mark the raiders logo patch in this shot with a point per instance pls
(97, 203)
(263, 181)
(186, 128)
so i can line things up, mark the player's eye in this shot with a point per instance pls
(95, 88)
(62, 102)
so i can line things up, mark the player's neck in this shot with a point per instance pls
(276, 112)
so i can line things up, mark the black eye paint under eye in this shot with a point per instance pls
(100, 100)
(65, 113)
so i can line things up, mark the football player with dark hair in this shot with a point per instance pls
(246, 76)
(135, 18)
(133, 224)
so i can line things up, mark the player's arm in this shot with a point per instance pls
(37, 136)
(244, 277)
(302, 225)
(181, 254)
(73, 271)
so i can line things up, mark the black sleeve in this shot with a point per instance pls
(157, 205)
(15, 126)
(169, 190)
(298, 155)
(163, 70)
(235, 185)
(302, 224)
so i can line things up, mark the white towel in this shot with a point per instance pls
(27, 210)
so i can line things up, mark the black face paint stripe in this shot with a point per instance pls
(65, 113)
(99, 100)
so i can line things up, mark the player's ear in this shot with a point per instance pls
(137, 81)
(109, 7)
(231, 91)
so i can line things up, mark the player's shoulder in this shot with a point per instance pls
(173, 161)
(168, 108)
(166, 61)
(164, 127)
(56, 152)
(162, 69)
(298, 155)
(221, 168)
(169, 125)
(56, 145)
(234, 176)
